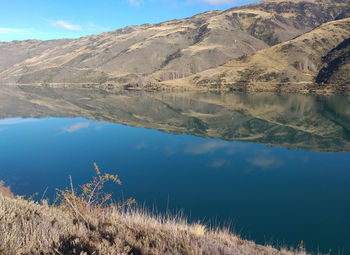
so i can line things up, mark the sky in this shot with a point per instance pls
(53, 19)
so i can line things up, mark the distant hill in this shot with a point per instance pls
(154, 53)
(317, 60)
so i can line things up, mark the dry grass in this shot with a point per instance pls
(5, 190)
(79, 226)
(32, 228)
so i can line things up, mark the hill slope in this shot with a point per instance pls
(336, 67)
(168, 50)
(291, 66)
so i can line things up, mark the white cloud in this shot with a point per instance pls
(8, 30)
(76, 127)
(66, 25)
(135, 3)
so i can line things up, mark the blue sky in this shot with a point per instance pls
(52, 19)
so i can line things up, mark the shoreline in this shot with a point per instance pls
(178, 88)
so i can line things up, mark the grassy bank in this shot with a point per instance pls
(27, 227)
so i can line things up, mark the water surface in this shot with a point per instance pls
(274, 167)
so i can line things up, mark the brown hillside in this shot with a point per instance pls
(164, 51)
(291, 66)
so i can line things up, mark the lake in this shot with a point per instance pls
(275, 168)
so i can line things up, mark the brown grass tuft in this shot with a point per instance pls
(6, 191)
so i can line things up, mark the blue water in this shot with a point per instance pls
(267, 194)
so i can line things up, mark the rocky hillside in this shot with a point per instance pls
(317, 60)
(139, 55)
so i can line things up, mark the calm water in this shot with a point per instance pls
(274, 167)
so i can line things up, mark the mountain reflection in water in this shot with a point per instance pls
(311, 122)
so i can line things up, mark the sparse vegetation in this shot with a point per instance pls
(176, 54)
(85, 223)
(202, 31)
(269, 76)
(248, 75)
(268, 38)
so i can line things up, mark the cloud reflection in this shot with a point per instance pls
(75, 127)
(266, 162)
(140, 146)
(208, 147)
(12, 121)
(219, 163)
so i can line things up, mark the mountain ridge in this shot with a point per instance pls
(150, 54)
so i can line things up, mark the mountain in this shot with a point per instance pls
(153, 53)
(317, 60)
(316, 123)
